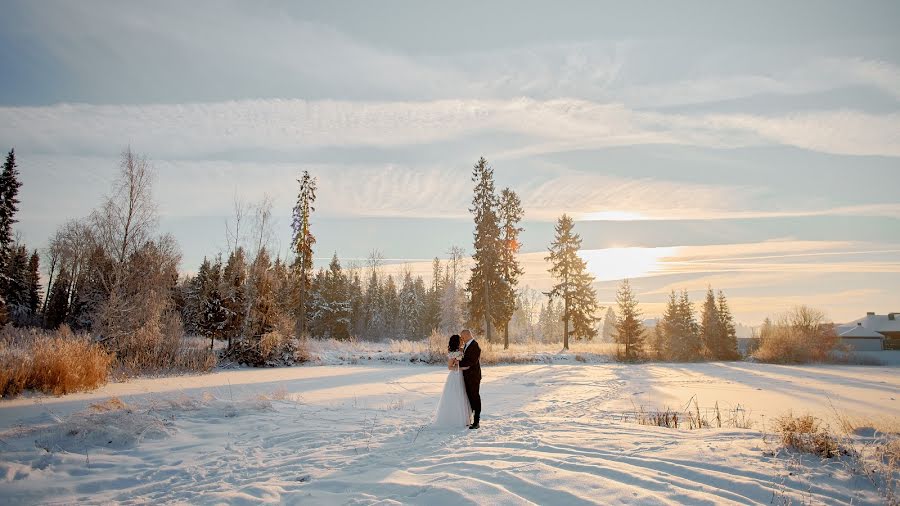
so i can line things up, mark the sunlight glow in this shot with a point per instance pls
(619, 263)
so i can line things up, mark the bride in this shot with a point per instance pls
(453, 409)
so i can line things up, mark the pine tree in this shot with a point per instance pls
(692, 346)
(431, 318)
(17, 286)
(235, 301)
(574, 287)
(453, 299)
(303, 241)
(213, 313)
(410, 309)
(34, 283)
(58, 303)
(9, 205)
(629, 328)
(510, 213)
(681, 334)
(609, 325)
(711, 330)
(263, 313)
(337, 302)
(729, 349)
(485, 285)
(390, 306)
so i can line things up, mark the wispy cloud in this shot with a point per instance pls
(198, 130)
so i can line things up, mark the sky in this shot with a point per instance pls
(749, 146)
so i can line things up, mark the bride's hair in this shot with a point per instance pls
(454, 343)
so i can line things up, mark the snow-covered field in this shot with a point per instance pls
(551, 434)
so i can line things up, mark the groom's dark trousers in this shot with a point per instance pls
(472, 377)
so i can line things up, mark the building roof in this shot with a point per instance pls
(858, 331)
(879, 322)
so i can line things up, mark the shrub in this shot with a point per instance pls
(277, 347)
(160, 346)
(57, 363)
(807, 434)
(799, 336)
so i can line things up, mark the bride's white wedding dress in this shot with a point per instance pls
(453, 409)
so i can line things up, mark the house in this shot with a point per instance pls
(888, 325)
(859, 338)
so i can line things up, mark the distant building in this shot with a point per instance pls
(865, 331)
(859, 338)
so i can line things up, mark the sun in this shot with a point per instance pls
(619, 263)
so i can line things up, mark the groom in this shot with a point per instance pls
(471, 369)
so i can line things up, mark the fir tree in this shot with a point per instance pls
(574, 288)
(58, 303)
(710, 327)
(234, 292)
(213, 313)
(728, 349)
(9, 205)
(336, 299)
(629, 328)
(303, 241)
(18, 285)
(431, 318)
(485, 285)
(681, 334)
(510, 213)
(34, 283)
(609, 325)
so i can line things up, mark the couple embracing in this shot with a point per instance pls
(461, 396)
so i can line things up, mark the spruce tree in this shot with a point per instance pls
(234, 292)
(303, 241)
(710, 327)
(34, 283)
(17, 286)
(58, 303)
(510, 214)
(629, 328)
(729, 349)
(9, 205)
(336, 302)
(609, 325)
(574, 287)
(485, 285)
(431, 319)
(681, 332)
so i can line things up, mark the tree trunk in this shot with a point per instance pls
(301, 313)
(566, 323)
(487, 310)
(506, 336)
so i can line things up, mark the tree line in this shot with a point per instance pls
(113, 274)
(678, 335)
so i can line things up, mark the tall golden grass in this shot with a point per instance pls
(57, 363)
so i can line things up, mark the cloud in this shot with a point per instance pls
(201, 130)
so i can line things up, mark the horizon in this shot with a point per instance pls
(734, 147)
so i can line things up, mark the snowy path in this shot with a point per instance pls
(552, 434)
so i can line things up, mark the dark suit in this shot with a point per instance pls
(472, 377)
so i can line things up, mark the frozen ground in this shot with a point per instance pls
(551, 434)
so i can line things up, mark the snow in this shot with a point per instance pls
(551, 434)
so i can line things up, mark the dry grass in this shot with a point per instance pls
(808, 434)
(57, 363)
(693, 417)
